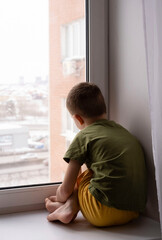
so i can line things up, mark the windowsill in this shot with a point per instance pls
(33, 225)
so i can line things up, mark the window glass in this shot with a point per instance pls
(42, 56)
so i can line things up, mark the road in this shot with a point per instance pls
(14, 171)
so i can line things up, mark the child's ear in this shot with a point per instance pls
(79, 118)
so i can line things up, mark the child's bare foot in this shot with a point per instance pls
(51, 204)
(67, 212)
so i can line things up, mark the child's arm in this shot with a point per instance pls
(66, 188)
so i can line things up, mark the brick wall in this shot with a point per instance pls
(61, 12)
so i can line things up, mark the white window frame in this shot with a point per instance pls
(32, 197)
(98, 45)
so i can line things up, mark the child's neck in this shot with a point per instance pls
(89, 121)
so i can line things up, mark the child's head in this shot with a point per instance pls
(86, 100)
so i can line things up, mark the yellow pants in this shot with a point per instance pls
(97, 213)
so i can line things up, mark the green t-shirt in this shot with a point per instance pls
(117, 161)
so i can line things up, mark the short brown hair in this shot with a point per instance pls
(86, 100)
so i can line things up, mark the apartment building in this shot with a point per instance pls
(67, 68)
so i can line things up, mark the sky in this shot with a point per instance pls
(24, 40)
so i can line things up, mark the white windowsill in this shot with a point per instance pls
(33, 225)
(25, 198)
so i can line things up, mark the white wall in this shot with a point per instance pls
(128, 91)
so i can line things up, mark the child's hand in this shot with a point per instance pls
(66, 189)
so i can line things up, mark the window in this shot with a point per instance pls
(34, 80)
(24, 80)
(73, 47)
(58, 83)
(73, 40)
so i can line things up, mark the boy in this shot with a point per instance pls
(112, 191)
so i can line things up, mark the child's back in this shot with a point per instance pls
(117, 162)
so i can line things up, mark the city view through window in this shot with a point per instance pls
(42, 56)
